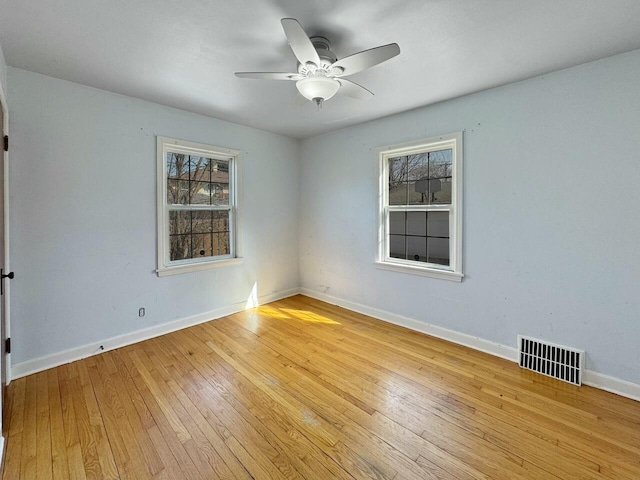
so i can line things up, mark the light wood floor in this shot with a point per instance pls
(303, 389)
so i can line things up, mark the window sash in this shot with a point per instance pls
(427, 208)
(201, 208)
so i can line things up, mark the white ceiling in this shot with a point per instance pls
(184, 53)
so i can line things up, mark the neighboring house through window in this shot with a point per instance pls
(197, 206)
(421, 207)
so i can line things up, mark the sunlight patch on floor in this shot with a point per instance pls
(308, 316)
(271, 312)
(285, 313)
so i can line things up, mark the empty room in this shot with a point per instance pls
(273, 239)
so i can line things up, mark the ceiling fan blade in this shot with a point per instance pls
(368, 58)
(353, 90)
(299, 41)
(269, 75)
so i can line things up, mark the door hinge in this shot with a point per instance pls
(6, 143)
(7, 345)
(3, 275)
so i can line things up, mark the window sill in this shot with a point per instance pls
(425, 272)
(195, 267)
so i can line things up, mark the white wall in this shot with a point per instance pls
(551, 194)
(552, 189)
(83, 215)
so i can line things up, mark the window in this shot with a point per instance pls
(421, 207)
(197, 206)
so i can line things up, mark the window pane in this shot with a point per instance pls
(179, 235)
(200, 169)
(179, 222)
(438, 250)
(440, 173)
(398, 193)
(419, 179)
(180, 247)
(200, 193)
(177, 192)
(441, 193)
(440, 164)
(221, 243)
(199, 234)
(202, 221)
(201, 245)
(397, 223)
(398, 181)
(398, 169)
(417, 249)
(220, 182)
(419, 192)
(438, 224)
(417, 223)
(219, 170)
(397, 248)
(219, 193)
(177, 166)
(417, 166)
(221, 221)
(221, 236)
(197, 180)
(426, 239)
(430, 191)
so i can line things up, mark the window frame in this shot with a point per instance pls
(165, 266)
(452, 272)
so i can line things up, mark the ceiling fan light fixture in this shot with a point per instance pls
(318, 89)
(318, 66)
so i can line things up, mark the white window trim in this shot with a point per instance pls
(384, 261)
(165, 266)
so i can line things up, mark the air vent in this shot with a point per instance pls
(552, 360)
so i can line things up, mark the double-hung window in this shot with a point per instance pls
(420, 209)
(197, 206)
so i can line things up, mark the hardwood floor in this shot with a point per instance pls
(302, 389)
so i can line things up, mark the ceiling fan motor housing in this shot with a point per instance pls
(327, 57)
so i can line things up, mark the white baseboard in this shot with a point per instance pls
(470, 341)
(49, 361)
(611, 384)
(590, 377)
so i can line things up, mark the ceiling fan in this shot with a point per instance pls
(320, 74)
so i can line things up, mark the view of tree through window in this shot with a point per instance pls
(199, 206)
(424, 178)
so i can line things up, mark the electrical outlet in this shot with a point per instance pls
(141, 312)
